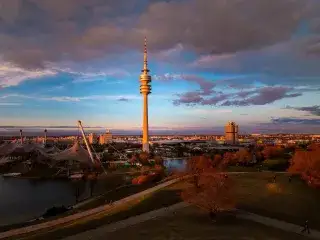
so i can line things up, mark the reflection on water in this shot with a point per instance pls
(24, 199)
(173, 165)
(21, 199)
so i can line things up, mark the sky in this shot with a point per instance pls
(255, 62)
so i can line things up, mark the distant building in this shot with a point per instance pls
(93, 138)
(105, 138)
(231, 133)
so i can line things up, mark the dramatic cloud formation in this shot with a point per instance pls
(272, 63)
(296, 121)
(11, 75)
(259, 96)
(314, 110)
(85, 56)
(81, 29)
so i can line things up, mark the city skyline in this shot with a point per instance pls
(83, 61)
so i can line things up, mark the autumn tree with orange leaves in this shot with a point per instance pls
(196, 166)
(217, 160)
(144, 158)
(209, 188)
(270, 152)
(229, 158)
(243, 157)
(307, 165)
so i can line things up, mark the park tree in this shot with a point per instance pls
(134, 158)
(158, 160)
(217, 160)
(144, 158)
(313, 146)
(307, 165)
(213, 193)
(106, 157)
(271, 152)
(196, 166)
(229, 158)
(259, 156)
(244, 157)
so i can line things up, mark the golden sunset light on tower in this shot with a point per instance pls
(145, 90)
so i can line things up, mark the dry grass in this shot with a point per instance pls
(191, 224)
(293, 202)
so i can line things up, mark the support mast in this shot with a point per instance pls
(21, 137)
(86, 142)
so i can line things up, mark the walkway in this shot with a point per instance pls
(289, 227)
(99, 233)
(92, 212)
(85, 214)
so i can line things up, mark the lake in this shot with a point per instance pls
(24, 199)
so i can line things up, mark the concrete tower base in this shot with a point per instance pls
(145, 147)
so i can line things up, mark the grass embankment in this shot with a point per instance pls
(192, 224)
(292, 201)
(242, 169)
(162, 198)
(289, 201)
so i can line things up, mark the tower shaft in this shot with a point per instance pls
(145, 90)
(145, 124)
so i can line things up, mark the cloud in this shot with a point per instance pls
(314, 110)
(122, 99)
(81, 30)
(81, 98)
(9, 104)
(259, 96)
(273, 63)
(262, 96)
(11, 75)
(206, 86)
(210, 111)
(83, 77)
(170, 54)
(298, 121)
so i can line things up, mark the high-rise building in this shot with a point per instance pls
(93, 138)
(145, 90)
(105, 138)
(231, 133)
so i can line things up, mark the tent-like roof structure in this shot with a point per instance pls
(7, 148)
(53, 149)
(5, 160)
(75, 153)
(18, 148)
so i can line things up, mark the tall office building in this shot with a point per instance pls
(105, 138)
(93, 138)
(231, 133)
(145, 90)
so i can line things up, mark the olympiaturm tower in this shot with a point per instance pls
(145, 90)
